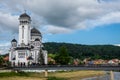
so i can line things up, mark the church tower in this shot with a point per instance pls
(24, 29)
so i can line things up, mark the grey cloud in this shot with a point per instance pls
(8, 22)
(55, 29)
(68, 14)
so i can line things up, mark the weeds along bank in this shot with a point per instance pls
(61, 75)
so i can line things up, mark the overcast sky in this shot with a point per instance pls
(71, 21)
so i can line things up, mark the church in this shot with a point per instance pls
(28, 50)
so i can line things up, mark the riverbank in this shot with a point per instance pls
(61, 75)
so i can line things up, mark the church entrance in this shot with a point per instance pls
(22, 64)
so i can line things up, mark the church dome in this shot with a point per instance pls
(24, 15)
(34, 31)
(14, 40)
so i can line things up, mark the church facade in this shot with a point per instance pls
(29, 49)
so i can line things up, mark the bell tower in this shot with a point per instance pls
(24, 29)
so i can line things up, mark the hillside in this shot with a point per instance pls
(83, 51)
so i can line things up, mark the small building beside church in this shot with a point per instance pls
(28, 49)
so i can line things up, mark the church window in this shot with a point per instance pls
(21, 55)
(22, 32)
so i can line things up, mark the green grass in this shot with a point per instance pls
(10, 74)
(60, 75)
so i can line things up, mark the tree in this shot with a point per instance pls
(41, 57)
(51, 55)
(51, 58)
(62, 57)
(85, 51)
(1, 60)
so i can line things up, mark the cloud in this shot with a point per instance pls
(4, 44)
(106, 0)
(8, 22)
(4, 48)
(56, 29)
(71, 14)
(66, 15)
(117, 45)
(111, 18)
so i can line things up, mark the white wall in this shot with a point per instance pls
(26, 38)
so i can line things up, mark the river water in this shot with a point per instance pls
(105, 77)
(117, 75)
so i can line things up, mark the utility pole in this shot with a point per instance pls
(46, 73)
(111, 75)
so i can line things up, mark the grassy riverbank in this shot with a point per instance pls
(69, 75)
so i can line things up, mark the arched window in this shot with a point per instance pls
(22, 32)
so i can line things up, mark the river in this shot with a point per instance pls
(105, 77)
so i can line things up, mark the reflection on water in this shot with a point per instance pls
(105, 77)
(117, 75)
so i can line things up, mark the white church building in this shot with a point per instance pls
(29, 49)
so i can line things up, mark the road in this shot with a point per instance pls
(105, 68)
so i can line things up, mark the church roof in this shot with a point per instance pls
(14, 40)
(24, 15)
(22, 48)
(35, 31)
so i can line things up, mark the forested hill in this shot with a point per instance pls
(83, 51)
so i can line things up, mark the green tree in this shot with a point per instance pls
(51, 55)
(85, 51)
(1, 60)
(40, 58)
(62, 57)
